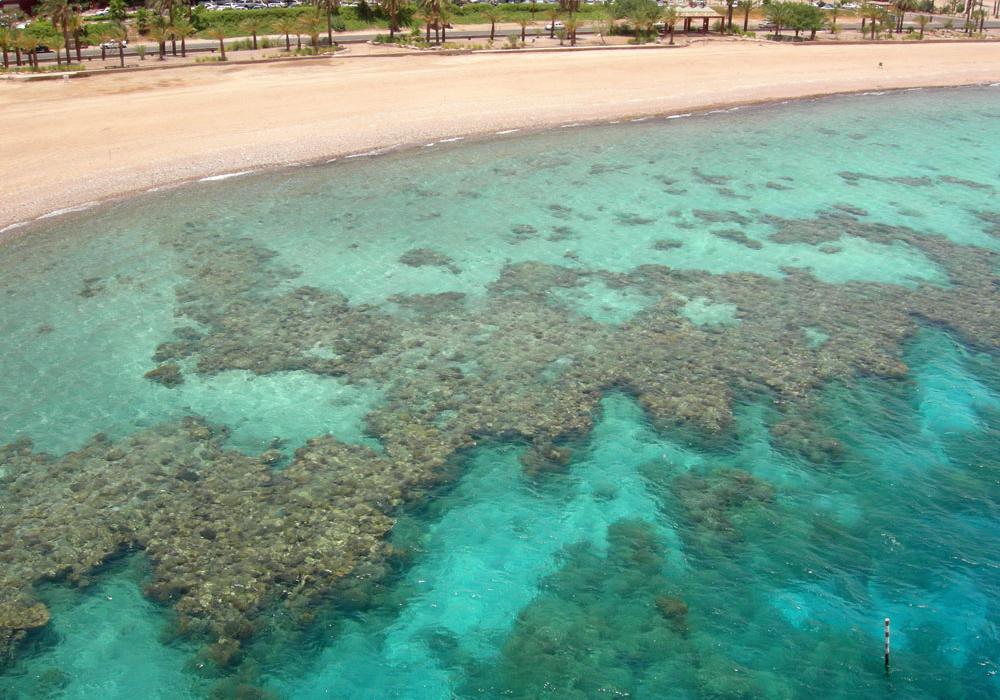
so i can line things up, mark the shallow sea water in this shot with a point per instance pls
(605, 523)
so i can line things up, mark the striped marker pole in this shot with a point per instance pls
(887, 645)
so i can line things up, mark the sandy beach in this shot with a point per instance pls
(70, 142)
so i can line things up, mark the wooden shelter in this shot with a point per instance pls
(687, 16)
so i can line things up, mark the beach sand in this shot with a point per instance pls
(69, 142)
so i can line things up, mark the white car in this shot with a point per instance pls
(114, 44)
(554, 25)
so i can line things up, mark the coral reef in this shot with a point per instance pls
(603, 626)
(226, 534)
(168, 375)
(737, 236)
(425, 257)
(229, 535)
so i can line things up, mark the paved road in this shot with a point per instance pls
(207, 45)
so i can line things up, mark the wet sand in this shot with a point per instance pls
(70, 142)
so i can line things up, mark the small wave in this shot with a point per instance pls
(67, 210)
(224, 176)
(679, 116)
(506, 131)
(872, 94)
(366, 154)
(11, 227)
(640, 119)
(569, 126)
(453, 139)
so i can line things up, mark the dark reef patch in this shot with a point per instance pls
(426, 257)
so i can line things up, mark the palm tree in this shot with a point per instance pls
(813, 21)
(902, 7)
(183, 29)
(103, 38)
(643, 19)
(58, 12)
(552, 15)
(330, 7)
(670, 17)
(873, 14)
(746, 6)
(779, 14)
(431, 11)
(524, 22)
(833, 17)
(6, 41)
(392, 9)
(78, 29)
(444, 19)
(28, 45)
(58, 43)
(219, 34)
(728, 22)
(165, 13)
(922, 22)
(119, 34)
(16, 45)
(157, 32)
(979, 19)
(493, 14)
(312, 26)
(287, 26)
(253, 24)
(572, 24)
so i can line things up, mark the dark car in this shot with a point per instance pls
(42, 48)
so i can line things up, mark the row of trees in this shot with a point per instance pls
(62, 30)
(797, 16)
(66, 29)
(437, 16)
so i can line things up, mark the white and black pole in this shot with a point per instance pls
(887, 645)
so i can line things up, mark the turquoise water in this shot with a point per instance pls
(606, 413)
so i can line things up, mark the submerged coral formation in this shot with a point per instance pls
(613, 625)
(229, 535)
(225, 532)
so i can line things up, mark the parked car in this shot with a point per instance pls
(114, 44)
(554, 25)
(42, 48)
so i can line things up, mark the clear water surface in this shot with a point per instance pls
(647, 559)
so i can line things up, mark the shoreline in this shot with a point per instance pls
(15, 230)
(166, 167)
